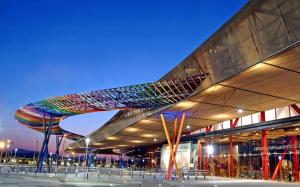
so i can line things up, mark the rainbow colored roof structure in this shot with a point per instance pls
(148, 95)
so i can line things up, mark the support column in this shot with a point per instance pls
(58, 142)
(265, 156)
(199, 154)
(178, 140)
(278, 167)
(44, 149)
(173, 152)
(295, 156)
(230, 157)
(233, 124)
(170, 164)
(206, 159)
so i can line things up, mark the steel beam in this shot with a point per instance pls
(44, 149)
(178, 140)
(265, 156)
(285, 122)
(230, 157)
(278, 167)
(231, 164)
(296, 108)
(169, 142)
(170, 164)
(58, 142)
(199, 154)
(295, 156)
(206, 159)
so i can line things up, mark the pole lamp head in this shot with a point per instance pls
(87, 141)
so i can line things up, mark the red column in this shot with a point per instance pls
(232, 125)
(199, 155)
(278, 167)
(230, 158)
(265, 157)
(206, 160)
(295, 155)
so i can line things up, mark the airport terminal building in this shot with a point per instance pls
(243, 120)
(234, 109)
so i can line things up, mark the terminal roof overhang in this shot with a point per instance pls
(273, 82)
(252, 63)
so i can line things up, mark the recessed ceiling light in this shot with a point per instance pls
(122, 145)
(220, 116)
(146, 121)
(137, 141)
(131, 129)
(148, 135)
(188, 127)
(112, 138)
(240, 111)
(186, 104)
(155, 139)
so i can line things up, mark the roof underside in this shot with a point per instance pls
(269, 84)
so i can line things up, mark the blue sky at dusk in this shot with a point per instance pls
(56, 47)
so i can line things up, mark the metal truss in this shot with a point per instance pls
(147, 96)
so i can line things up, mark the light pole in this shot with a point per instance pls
(6, 153)
(87, 141)
(2, 147)
(50, 159)
(16, 149)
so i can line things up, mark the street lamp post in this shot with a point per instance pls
(50, 159)
(2, 147)
(16, 149)
(87, 141)
(6, 153)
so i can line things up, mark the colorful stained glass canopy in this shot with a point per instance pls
(149, 95)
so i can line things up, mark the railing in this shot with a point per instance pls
(105, 173)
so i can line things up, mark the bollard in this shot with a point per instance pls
(204, 175)
(66, 171)
(143, 173)
(87, 175)
(196, 177)
(154, 176)
(109, 173)
(121, 174)
(98, 173)
(140, 172)
(132, 173)
(188, 175)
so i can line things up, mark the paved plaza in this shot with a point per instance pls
(12, 180)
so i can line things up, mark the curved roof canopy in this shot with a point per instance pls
(149, 95)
